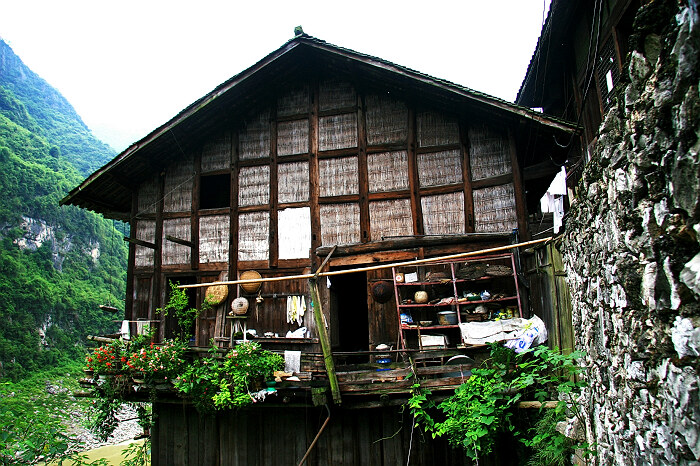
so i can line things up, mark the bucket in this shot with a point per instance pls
(447, 317)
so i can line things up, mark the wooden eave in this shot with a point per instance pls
(106, 192)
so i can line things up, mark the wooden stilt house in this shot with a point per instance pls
(317, 146)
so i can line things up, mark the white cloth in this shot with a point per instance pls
(126, 335)
(479, 333)
(292, 361)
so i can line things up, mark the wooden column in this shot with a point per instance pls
(158, 287)
(129, 298)
(314, 210)
(520, 201)
(467, 178)
(365, 228)
(274, 243)
(413, 180)
(194, 214)
(233, 212)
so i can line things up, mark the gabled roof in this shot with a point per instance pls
(108, 190)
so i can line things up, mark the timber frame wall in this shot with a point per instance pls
(368, 166)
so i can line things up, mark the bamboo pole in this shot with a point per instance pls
(375, 267)
(322, 334)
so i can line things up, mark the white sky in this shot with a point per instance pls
(128, 66)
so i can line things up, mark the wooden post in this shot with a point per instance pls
(323, 335)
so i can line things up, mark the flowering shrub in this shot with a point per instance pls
(161, 361)
(106, 359)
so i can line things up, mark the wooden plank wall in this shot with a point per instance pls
(549, 294)
(281, 436)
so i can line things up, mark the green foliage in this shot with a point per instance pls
(484, 407)
(45, 150)
(216, 384)
(34, 414)
(137, 454)
(178, 304)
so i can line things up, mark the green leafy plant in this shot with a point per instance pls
(179, 305)
(216, 384)
(484, 406)
(137, 454)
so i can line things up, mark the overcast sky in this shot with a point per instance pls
(129, 66)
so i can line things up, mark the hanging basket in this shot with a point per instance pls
(251, 288)
(216, 294)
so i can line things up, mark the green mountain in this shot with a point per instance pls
(57, 264)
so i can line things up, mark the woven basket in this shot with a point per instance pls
(250, 287)
(216, 294)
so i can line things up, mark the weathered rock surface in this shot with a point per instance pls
(631, 252)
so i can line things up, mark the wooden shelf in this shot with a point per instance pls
(437, 289)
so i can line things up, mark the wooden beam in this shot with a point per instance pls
(461, 255)
(140, 242)
(409, 242)
(184, 242)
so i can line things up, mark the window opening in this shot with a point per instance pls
(215, 191)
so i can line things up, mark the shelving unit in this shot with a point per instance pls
(456, 289)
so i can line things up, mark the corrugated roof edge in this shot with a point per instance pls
(315, 42)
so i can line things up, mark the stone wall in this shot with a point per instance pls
(631, 252)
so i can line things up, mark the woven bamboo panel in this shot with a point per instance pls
(340, 224)
(443, 214)
(337, 132)
(387, 120)
(179, 179)
(435, 129)
(216, 153)
(174, 253)
(254, 137)
(253, 236)
(254, 186)
(440, 168)
(387, 171)
(335, 95)
(293, 102)
(145, 231)
(292, 137)
(147, 196)
(214, 238)
(338, 177)
(390, 218)
(489, 153)
(293, 182)
(494, 209)
(294, 230)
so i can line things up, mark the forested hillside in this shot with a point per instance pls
(57, 264)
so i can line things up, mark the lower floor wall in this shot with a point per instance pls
(281, 436)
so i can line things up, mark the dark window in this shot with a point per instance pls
(215, 191)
